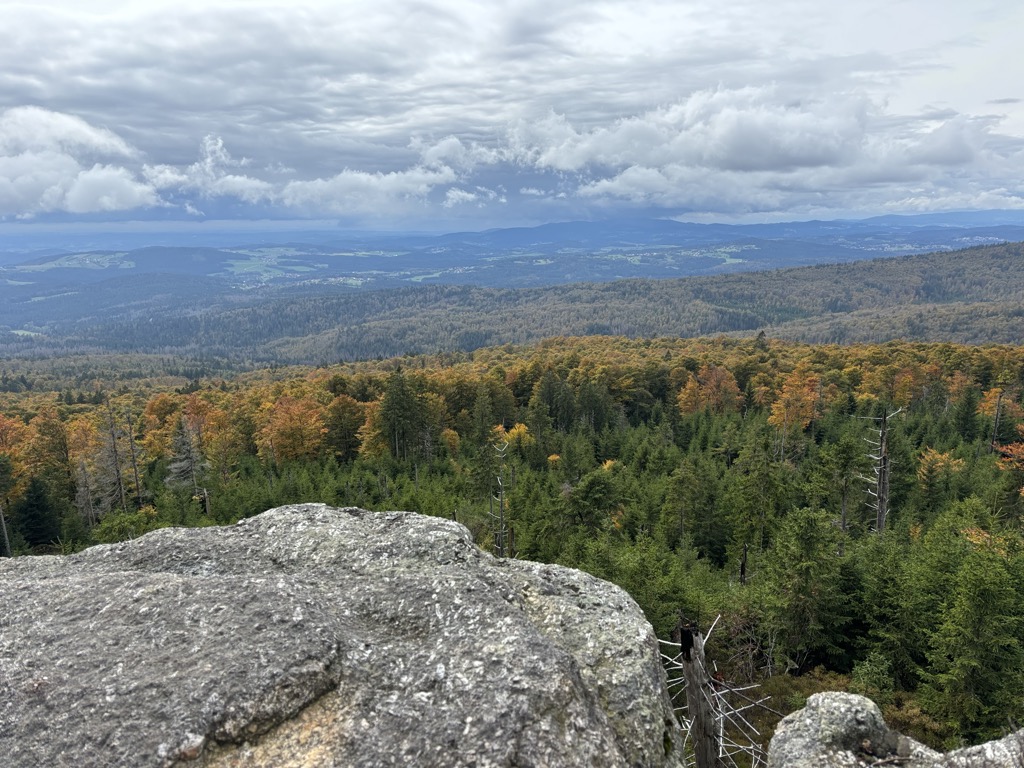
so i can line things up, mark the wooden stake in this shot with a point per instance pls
(704, 731)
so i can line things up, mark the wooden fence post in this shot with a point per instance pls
(707, 741)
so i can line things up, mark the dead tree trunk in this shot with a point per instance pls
(500, 525)
(880, 482)
(84, 495)
(995, 422)
(115, 459)
(704, 727)
(3, 524)
(882, 489)
(133, 454)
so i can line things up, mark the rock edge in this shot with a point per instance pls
(843, 730)
(310, 635)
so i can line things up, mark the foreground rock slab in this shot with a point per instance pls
(842, 730)
(316, 636)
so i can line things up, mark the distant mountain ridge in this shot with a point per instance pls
(549, 254)
(974, 295)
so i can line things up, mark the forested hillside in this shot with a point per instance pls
(732, 476)
(970, 296)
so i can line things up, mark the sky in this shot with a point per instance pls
(451, 114)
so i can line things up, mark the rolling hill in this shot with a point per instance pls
(974, 296)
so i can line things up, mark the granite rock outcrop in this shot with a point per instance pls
(317, 636)
(843, 730)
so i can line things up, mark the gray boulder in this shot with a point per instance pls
(316, 636)
(843, 730)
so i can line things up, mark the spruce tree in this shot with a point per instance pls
(975, 678)
(36, 517)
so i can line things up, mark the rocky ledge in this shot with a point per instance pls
(842, 730)
(316, 636)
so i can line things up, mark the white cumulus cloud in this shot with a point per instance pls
(361, 192)
(107, 188)
(34, 129)
(211, 175)
(456, 196)
(52, 162)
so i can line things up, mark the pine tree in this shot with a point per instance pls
(483, 418)
(36, 517)
(84, 497)
(344, 418)
(49, 455)
(976, 675)
(802, 588)
(838, 475)
(400, 415)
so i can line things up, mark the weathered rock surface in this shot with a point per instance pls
(842, 730)
(316, 636)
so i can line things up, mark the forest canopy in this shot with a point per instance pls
(732, 477)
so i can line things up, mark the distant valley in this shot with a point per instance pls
(371, 295)
(518, 257)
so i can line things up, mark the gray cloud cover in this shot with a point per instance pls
(450, 113)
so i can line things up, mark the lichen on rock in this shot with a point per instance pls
(843, 730)
(310, 635)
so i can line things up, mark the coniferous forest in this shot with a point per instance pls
(853, 514)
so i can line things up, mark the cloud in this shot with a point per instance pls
(480, 195)
(107, 188)
(727, 151)
(45, 166)
(210, 176)
(749, 129)
(685, 188)
(953, 142)
(456, 196)
(754, 150)
(43, 170)
(423, 110)
(33, 129)
(453, 152)
(359, 192)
